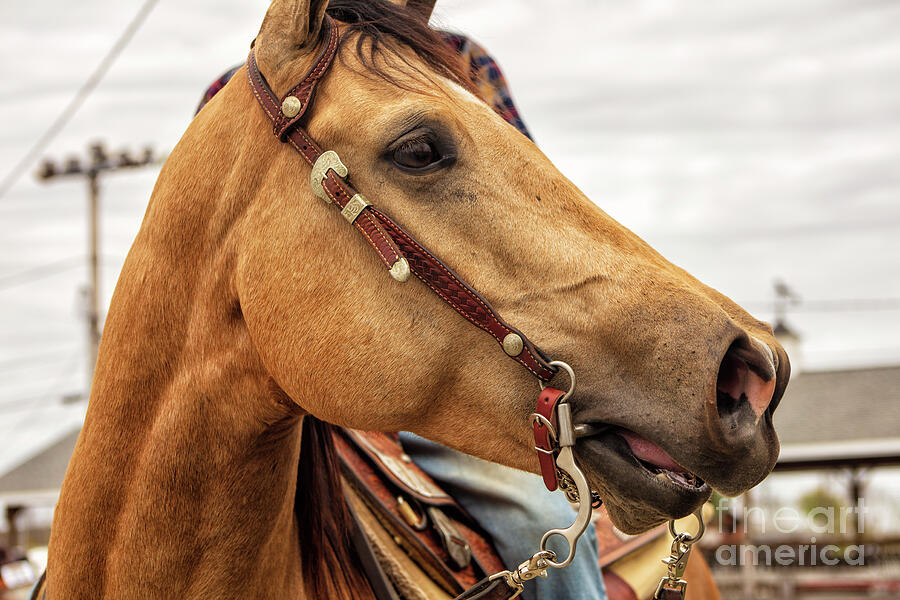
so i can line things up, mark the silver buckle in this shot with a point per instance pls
(327, 160)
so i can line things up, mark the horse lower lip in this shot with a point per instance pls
(648, 452)
(656, 461)
(633, 486)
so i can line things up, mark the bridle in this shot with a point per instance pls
(397, 249)
(553, 429)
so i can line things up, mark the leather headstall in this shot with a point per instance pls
(396, 248)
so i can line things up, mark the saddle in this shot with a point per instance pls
(425, 546)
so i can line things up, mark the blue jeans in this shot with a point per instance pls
(516, 509)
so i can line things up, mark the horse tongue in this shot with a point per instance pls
(649, 452)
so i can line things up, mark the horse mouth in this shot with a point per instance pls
(639, 482)
(658, 462)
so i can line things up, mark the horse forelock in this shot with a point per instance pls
(381, 28)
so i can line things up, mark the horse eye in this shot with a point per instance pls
(417, 154)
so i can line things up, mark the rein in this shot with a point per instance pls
(554, 431)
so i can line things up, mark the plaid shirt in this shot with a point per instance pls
(483, 70)
(488, 78)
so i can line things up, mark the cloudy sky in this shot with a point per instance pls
(746, 141)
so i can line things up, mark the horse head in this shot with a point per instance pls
(247, 303)
(678, 382)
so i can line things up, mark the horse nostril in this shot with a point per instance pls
(744, 385)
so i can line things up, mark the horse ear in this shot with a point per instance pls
(289, 26)
(423, 8)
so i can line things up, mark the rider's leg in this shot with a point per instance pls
(516, 509)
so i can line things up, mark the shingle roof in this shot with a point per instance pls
(42, 472)
(830, 406)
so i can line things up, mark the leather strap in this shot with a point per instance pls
(392, 243)
(389, 240)
(489, 589)
(39, 591)
(378, 579)
(546, 407)
(303, 91)
(668, 593)
(368, 474)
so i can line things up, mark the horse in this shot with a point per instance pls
(249, 318)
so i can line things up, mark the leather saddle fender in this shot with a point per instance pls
(447, 543)
(430, 526)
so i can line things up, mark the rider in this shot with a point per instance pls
(502, 500)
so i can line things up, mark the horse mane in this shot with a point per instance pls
(387, 27)
(331, 566)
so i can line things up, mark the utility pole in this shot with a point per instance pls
(788, 337)
(785, 297)
(96, 162)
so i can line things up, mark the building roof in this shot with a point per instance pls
(41, 475)
(834, 418)
(37, 444)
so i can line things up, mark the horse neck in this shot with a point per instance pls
(184, 476)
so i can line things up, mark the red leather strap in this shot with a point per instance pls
(390, 241)
(288, 130)
(270, 105)
(546, 407)
(340, 191)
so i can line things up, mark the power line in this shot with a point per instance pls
(26, 402)
(32, 358)
(42, 400)
(49, 270)
(837, 305)
(15, 372)
(38, 402)
(853, 304)
(40, 272)
(26, 359)
(75, 103)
